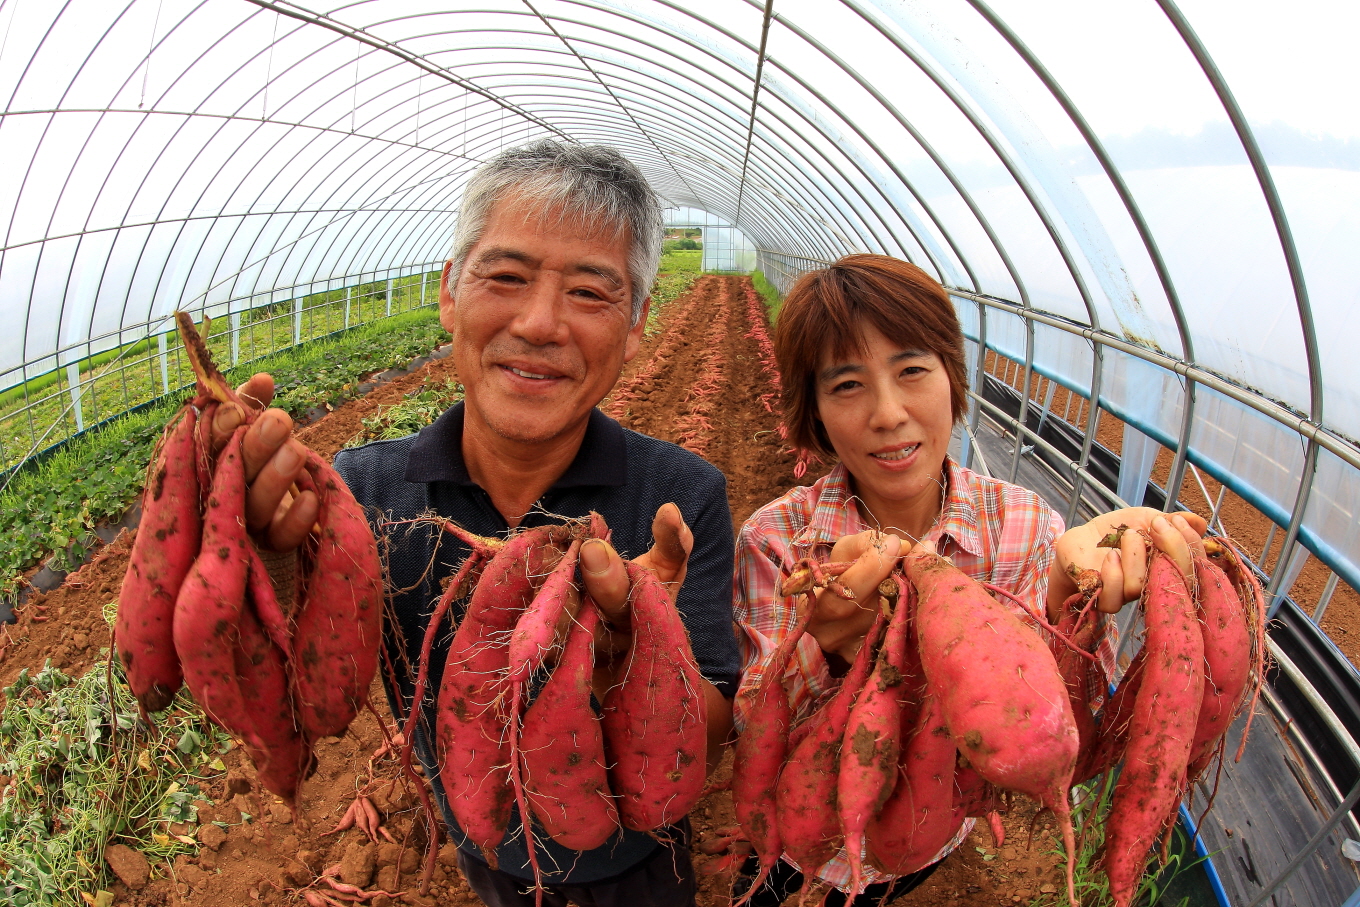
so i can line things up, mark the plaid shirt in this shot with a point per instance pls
(993, 531)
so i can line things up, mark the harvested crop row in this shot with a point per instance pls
(634, 389)
(694, 429)
(197, 602)
(960, 699)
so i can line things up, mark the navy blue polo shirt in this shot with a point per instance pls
(622, 475)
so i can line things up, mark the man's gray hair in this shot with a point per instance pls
(591, 184)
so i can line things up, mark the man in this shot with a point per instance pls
(546, 297)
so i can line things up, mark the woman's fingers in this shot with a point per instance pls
(871, 568)
(1133, 562)
(1113, 582)
(1171, 540)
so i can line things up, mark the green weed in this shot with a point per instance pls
(1160, 886)
(769, 293)
(81, 779)
(682, 260)
(418, 410)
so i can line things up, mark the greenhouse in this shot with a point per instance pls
(1142, 212)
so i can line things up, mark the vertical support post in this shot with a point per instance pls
(979, 384)
(349, 291)
(235, 338)
(424, 282)
(1326, 598)
(73, 388)
(1277, 579)
(389, 297)
(165, 363)
(297, 321)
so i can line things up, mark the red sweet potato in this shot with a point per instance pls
(1083, 630)
(338, 625)
(1249, 591)
(1003, 698)
(1161, 730)
(208, 608)
(873, 734)
(1227, 660)
(167, 543)
(760, 751)
(472, 725)
(805, 797)
(920, 817)
(282, 757)
(1112, 734)
(656, 718)
(562, 749)
(536, 628)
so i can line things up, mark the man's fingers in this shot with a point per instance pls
(294, 518)
(605, 579)
(258, 390)
(271, 483)
(672, 543)
(1112, 589)
(263, 439)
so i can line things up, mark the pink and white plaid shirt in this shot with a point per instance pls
(993, 531)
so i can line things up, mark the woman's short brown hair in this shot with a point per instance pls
(828, 310)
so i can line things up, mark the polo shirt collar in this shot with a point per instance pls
(602, 460)
(837, 516)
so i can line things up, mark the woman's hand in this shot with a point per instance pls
(273, 462)
(838, 624)
(1123, 570)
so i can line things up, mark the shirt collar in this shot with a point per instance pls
(836, 515)
(602, 460)
(959, 521)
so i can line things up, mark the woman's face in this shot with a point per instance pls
(887, 413)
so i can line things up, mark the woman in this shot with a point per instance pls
(871, 359)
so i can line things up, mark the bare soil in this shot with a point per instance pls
(273, 860)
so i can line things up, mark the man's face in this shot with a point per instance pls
(540, 317)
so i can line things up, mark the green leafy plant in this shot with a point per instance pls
(83, 775)
(769, 293)
(409, 416)
(1161, 887)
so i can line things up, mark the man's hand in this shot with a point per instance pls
(273, 462)
(606, 581)
(1123, 570)
(838, 624)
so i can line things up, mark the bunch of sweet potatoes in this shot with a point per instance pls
(577, 775)
(953, 699)
(198, 607)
